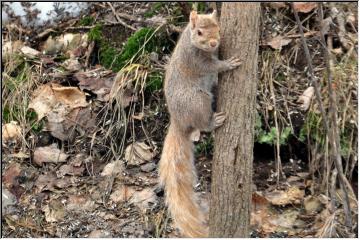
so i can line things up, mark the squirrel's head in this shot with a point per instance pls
(205, 31)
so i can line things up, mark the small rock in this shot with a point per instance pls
(148, 167)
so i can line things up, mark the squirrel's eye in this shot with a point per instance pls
(199, 33)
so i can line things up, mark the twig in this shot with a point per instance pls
(119, 19)
(333, 113)
(279, 171)
(326, 125)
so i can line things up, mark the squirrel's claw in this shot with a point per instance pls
(219, 119)
(233, 62)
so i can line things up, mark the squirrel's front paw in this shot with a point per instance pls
(219, 119)
(233, 62)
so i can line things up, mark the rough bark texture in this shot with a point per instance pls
(233, 157)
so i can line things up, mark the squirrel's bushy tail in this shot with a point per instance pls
(178, 175)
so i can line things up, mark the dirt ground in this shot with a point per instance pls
(84, 118)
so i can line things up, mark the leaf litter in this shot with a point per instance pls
(96, 176)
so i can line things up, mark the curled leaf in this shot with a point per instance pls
(305, 98)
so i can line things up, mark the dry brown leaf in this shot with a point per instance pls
(285, 221)
(312, 204)
(122, 194)
(113, 168)
(7, 198)
(71, 96)
(138, 153)
(69, 169)
(292, 195)
(43, 101)
(10, 132)
(143, 198)
(29, 52)
(95, 82)
(278, 42)
(259, 201)
(304, 7)
(45, 182)
(62, 121)
(305, 98)
(9, 48)
(54, 211)
(47, 96)
(10, 175)
(80, 203)
(19, 155)
(277, 5)
(49, 154)
(99, 233)
(51, 46)
(72, 65)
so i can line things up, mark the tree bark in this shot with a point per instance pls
(233, 156)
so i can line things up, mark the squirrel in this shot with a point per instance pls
(189, 78)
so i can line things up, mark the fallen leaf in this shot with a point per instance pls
(71, 96)
(45, 182)
(138, 153)
(46, 97)
(10, 132)
(148, 167)
(292, 195)
(122, 194)
(69, 169)
(74, 168)
(312, 204)
(95, 82)
(305, 98)
(20, 155)
(7, 199)
(259, 201)
(52, 46)
(10, 175)
(100, 234)
(278, 42)
(9, 48)
(72, 64)
(80, 203)
(54, 211)
(144, 198)
(29, 52)
(62, 122)
(277, 5)
(285, 221)
(43, 101)
(304, 7)
(113, 168)
(49, 154)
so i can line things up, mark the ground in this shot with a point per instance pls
(84, 119)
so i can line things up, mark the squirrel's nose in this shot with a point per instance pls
(213, 43)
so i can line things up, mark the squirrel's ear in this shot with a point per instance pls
(214, 14)
(193, 19)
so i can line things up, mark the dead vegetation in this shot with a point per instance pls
(84, 119)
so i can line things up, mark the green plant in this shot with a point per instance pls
(154, 81)
(155, 7)
(205, 147)
(115, 59)
(87, 21)
(95, 33)
(270, 137)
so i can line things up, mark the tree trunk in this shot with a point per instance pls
(233, 157)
